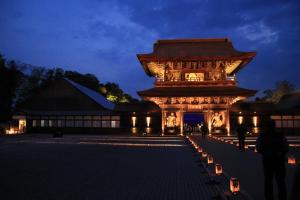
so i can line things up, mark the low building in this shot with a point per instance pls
(67, 106)
(286, 114)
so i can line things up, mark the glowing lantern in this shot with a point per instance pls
(148, 119)
(134, 130)
(133, 119)
(210, 159)
(199, 149)
(254, 120)
(234, 185)
(240, 119)
(231, 142)
(148, 130)
(218, 169)
(204, 154)
(292, 160)
(22, 125)
(11, 131)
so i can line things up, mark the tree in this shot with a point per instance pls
(281, 88)
(114, 93)
(10, 80)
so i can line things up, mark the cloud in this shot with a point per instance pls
(259, 32)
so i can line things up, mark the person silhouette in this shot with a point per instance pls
(241, 131)
(273, 146)
(295, 193)
(204, 130)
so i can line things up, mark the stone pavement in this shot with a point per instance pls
(245, 165)
(103, 167)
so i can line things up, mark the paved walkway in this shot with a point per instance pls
(246, 166)
(100, 167)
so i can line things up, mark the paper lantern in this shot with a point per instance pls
(292, 160)
(133, 119)
(210, 159)
(148, 120)
(204, 154)
(218, 169)
(200, 150)
(234, 185)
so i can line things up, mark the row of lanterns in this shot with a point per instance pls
(218, 170)
(291, 159)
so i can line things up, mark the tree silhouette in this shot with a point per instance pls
(281, 88)
(10, 80)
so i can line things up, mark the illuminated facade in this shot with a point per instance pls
(195, 75)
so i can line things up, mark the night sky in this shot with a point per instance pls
(103, 37)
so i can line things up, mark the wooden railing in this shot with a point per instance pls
(179, 83)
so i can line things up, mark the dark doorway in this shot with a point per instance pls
(191, 121)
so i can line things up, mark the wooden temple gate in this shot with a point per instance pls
(195, 75)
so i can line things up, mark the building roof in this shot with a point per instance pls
(290, 103)
(196, 91)
(98, 98)
(194, 48)
(252, 107)
(140, 107)
(68, 112)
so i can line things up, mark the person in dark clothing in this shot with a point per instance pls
(295, 194)
(204, 130)
(273, 146)
(241, 131)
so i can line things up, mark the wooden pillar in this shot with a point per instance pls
(209, 121)
(163, 120)
(227, 121)
(181, 121)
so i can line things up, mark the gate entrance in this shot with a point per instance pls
(192, 121)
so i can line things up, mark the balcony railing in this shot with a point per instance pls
(178, 83)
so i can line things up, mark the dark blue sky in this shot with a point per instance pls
(103, 37)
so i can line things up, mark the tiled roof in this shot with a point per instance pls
(290, 101)
(194, 48)
(196, 91)
(98, 98)
(251, 107)
(68, 112)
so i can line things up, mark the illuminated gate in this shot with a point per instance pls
(195, 75)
